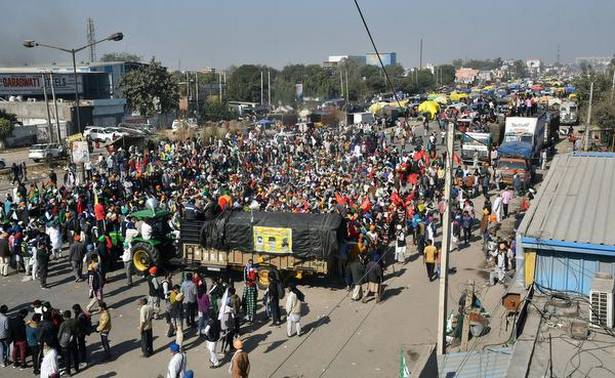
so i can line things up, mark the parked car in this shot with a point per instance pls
(44, 151)
(116, 132)
(99, 134)
(2, 163)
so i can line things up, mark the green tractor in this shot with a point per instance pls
(160, 247)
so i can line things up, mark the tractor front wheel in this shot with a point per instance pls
(144, 256)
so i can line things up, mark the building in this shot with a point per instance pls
(534, 66)
(568, 233)
(388, 58)
(334, 60)
(598, 63)
(23, 91)
(466, 75)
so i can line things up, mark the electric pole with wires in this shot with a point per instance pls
(446, 240)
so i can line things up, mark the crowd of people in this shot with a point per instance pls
(386, 191)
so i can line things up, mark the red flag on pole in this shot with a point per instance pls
(340, 199)
(366, 205)
(413, 178)
(456, 159)
(396, 199)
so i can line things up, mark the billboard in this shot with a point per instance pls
(299, 92)
(16, 84)
(273, 239)
(81, 153)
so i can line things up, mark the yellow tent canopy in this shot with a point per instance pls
(457, 96)
(430, 107)
(377, 107)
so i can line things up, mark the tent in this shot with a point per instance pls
(377, 107)
(264, 122)
(458, 96)
(430, 107)
(441, 99)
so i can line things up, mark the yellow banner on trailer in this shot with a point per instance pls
(272, 239)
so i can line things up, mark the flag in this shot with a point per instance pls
(340, 199)
(366, 205)
(396, 199)
(456, 159)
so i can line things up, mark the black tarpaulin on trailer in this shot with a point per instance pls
(314, 236)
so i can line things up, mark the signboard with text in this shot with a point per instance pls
(16, 84)
(81, 153)
(273, 239)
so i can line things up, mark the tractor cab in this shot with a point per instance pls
(157, 248)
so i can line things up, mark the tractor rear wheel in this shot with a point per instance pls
(144, 256)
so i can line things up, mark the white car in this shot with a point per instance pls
(99, 134)
(117, 132)
(40, 152)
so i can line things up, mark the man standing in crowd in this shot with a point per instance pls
(374, 279)
(240, 363)
(506, 198)
(104, 327)
(32, 332)
(430, 255)
(67, 337)
(155, 290)
(5, 333)
(178, 362)
(188, 289)
(146, 315)
(76, 254)
(18, 337)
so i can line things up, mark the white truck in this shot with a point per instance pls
(569, 113)
(364, 117)
(476, 145)
(528, 131)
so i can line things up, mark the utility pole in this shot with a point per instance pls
(55, 105)
(421, 54)
(347, 93)
(220, 85)
(49, 129)
(589, 117)
(446, 240)
(342, 84)
(261, 88)
(269, 87)
(196, 75)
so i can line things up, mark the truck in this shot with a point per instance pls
(364, 117)
(293, 244)
(524, 135)
(476, 143)
(568, 112)
(524, 138)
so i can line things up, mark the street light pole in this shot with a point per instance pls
(111, 37)
(76, 91)
(589, 118)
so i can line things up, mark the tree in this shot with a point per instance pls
(217, 111)
(446, 74)
(10, 116)
(6, 128)
(519, 69)
(150, 89)
(120, 57)
(244, 83)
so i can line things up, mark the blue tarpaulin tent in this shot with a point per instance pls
(516, 149)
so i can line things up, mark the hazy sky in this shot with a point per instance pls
(277, 32)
